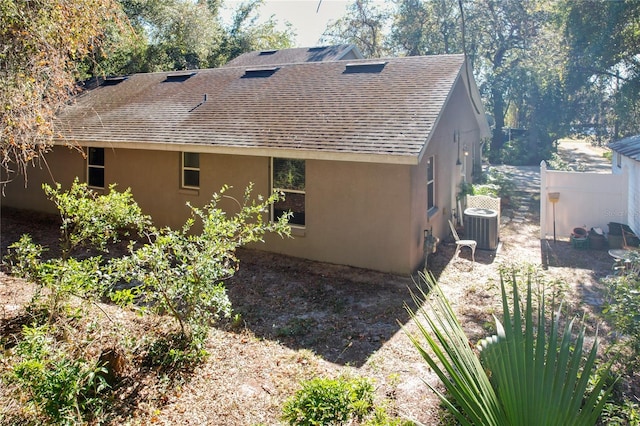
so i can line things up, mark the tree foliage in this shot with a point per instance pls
(426, 28)
(42, 42)
(364, 26)
(182, 34)
(604, 71)
(550, 67)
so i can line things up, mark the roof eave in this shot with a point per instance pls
(306, 154)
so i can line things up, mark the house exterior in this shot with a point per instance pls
(626, 160)
(370, 153)
(341, 52)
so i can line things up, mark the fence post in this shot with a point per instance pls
(543, 200)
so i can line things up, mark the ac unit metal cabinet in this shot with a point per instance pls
(482, 226)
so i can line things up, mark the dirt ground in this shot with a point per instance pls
(301, 319)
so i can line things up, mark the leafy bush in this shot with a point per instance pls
(87, 220)
(323, 401)
(626, 413)
(61, 389)
(620, 310)
(180, 273)
(493, 183)
(622, 305)
(524, 376)
(90, 219)
(24, 257)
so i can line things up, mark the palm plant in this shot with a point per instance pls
(523, 375)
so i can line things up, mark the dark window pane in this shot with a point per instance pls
(430, 169)
(96, 177)
(192, 160)
(191, 178)
(292, 203)
(96, 156)
(430, 196)
(288, 174)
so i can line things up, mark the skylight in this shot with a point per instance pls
(366, 67)
(112, 81)
(179, 76)
(259, 72)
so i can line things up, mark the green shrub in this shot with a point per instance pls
(24, 257)
(380, 417)
(492, 182)
(174, 352)
(626, 413)
(88, 220)
(323, 401)
(93, 220)
(622, 305)
(58, 387)
(181, 273)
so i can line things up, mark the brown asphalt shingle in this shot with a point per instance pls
(309, 110)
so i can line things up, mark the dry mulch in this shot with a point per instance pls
(300, 319)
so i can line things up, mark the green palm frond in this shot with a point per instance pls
(472, 399)
(525, 374)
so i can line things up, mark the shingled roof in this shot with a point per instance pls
(629, 147)
(295, 55)
(374, 111)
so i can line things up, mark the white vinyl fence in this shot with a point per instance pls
(589, 200)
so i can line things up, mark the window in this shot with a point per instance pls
(288, 176)
(95, 167)
(619, 160)
(191, 170)
(431, 186)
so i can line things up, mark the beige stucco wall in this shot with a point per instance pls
(457, 119)
(62, 165)
(356, 213)
(153, 176)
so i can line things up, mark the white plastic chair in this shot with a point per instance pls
(463, 243)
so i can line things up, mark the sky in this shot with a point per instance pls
(307, 20)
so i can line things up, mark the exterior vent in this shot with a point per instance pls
(367, 67)
(179, 77)
(267, 52)
(259, 72)
(112, 81)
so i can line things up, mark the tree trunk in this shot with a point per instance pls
(497, 141)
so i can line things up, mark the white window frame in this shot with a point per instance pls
(287, 191)
(91, 166)
(184, 168)
(431, 184)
